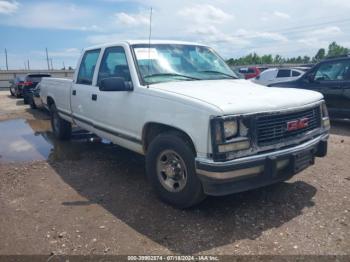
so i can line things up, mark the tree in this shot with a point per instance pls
(336, 50)
(321, 53)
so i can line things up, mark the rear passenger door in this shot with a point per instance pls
(82, 90)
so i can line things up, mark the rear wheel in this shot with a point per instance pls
(32, 103)
(12, 92)
(171, 171)
(61, 128)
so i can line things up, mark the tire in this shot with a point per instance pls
(32, 103)
(11, 92)
(61, 128)
(171, 147)
(18, 95)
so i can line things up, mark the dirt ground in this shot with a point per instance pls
(88, 197)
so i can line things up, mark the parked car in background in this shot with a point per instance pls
(202, 130)
(249, 72)
(34, 98)
(275, 75)
(236, 71)
(16, 86)
(331, 77)
(30, 82)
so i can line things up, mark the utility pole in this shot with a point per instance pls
(25, 65)
(7, 66)
(47, 59)
(51, 64)
(64, 66)
(28, 65)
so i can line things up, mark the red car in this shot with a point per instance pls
(249, 72)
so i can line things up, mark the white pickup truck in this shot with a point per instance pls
(202, 130)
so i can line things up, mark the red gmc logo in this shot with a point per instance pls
(297, 124)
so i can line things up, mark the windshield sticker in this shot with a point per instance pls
(146, 53)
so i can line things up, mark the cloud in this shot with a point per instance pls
(281, 15)
(8, 7)
(53, 16)
(205, 14)
(132, 19)
(65, 53)
(327, 31)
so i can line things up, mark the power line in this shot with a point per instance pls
(47, 59)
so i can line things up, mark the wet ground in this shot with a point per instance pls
(88, 196)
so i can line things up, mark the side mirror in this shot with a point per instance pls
(310, 77)
(115, 84)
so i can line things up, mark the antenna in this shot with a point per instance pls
(149, 41)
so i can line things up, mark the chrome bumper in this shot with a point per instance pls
(261, 169)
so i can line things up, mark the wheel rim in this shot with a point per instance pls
(55, 120)
(171, 171)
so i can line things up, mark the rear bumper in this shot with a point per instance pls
(222, 178)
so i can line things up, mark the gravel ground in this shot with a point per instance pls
(84, 197)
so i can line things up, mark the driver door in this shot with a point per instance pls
(329, 81)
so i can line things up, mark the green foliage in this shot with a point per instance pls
(336, 50)
(254, 59)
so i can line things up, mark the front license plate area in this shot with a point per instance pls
(302, 160)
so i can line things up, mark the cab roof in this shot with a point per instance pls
(143, 42)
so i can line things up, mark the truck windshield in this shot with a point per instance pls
(173, 62)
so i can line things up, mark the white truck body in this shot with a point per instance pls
(186, 106)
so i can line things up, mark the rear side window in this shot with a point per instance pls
(87, 67)
(247, 70)
(295, 73)
(283, 73)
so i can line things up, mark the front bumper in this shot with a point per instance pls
(222, 178)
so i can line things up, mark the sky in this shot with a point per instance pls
(233, 27)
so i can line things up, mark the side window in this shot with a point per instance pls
(87, 67)
(333, 71)
(114, 64)
(295, 73)
(283, 73)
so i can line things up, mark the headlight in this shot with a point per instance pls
(324, 109)
(229, 135)
(325, 117)
(230, 129)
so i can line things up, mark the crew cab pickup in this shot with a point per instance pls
(202, 130)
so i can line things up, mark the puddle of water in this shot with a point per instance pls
(28, 140)
(20, 142)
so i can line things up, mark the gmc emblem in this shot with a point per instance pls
(297, 124)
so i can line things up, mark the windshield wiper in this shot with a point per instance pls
(171, 74)
(217, 72)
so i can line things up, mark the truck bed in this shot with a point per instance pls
(59, 90)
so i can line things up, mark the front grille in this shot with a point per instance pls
(272, 129)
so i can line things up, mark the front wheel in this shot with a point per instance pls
(171, 171)
(61, 128)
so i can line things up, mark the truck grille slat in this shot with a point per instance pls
(272, 129)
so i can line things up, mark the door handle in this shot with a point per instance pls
(74, 92)
(94, 97)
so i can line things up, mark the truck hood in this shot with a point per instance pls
(241, 96)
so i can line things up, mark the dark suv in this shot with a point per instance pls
(30, 82)
(331, 77)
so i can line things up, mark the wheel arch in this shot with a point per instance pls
(49, 101)
(152, 129)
